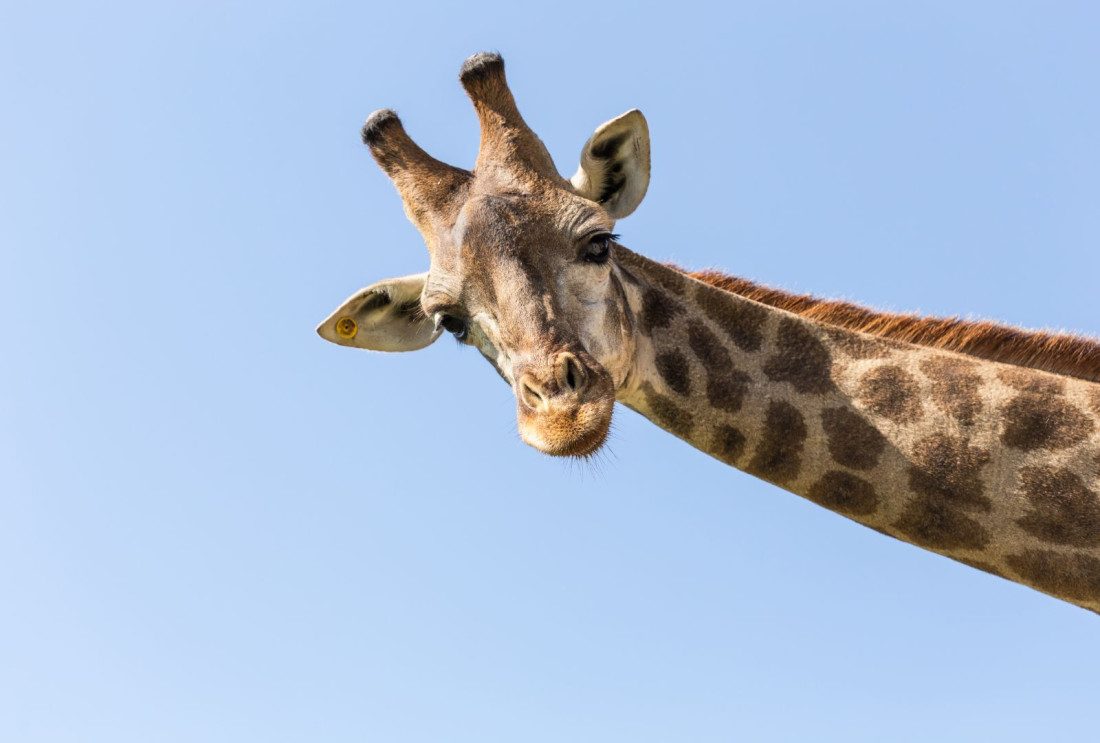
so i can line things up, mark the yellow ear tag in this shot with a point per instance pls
(346, 328)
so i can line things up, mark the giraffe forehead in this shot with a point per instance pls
(486, 256)
(504, 221)
(508, 248)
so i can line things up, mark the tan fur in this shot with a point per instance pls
(1059, 353)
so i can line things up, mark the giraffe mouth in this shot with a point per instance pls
(576, 432)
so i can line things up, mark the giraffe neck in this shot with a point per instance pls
(993, 465)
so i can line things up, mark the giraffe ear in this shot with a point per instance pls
(382, 317)
(614, 168)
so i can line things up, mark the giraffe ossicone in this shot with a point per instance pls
(977, 441)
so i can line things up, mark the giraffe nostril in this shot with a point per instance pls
(532, 393)
(571, 374)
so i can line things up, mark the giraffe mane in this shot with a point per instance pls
(1059, 353)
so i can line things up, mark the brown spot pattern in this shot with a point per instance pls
(844, 493)
(730, 443)
(727, 392)
(668, 414)
(1034, 421)
(1074, 577)
(800, 359)
(673, 368)
(859, 345)
(741, 319)
(1061, 509)
(891, 392)
(1027, 380)
(955, 387)
(674, 281)
(945, 477)
(658, 310)
(853, 442)
(778, 454)
(726, 385)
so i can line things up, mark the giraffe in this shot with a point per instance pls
(976, 441)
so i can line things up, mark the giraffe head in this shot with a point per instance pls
(520, 262)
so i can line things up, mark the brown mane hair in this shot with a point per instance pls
(1060, 353)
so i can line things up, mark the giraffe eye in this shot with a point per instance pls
(454, 325)
(598, 248)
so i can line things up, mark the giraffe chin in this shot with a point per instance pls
(577, 432)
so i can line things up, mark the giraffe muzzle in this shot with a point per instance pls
(564, 406)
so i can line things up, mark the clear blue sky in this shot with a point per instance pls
(216, 527)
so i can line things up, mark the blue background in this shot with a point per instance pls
(214, 526)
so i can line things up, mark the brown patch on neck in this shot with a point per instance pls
(729, 444)
(844, 493)
(945, 477)
(1035, 421)
(726, 385)
(1061, 509)
(1074, 577)
(1059, 353)
(1023, 381)
(955, 386)
(658, 310)
(673, 368)
(800, 359)
(778, 455)
(853, 442)
(891, 392)
(668, 414)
